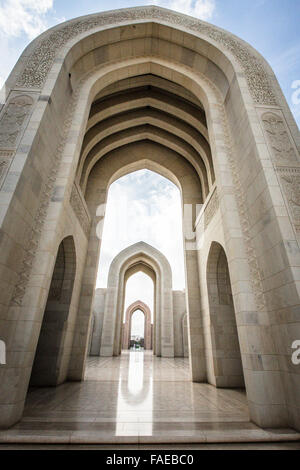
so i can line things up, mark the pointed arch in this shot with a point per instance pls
(225, 347)
(52, 348)
(139, 256)
(137, 305)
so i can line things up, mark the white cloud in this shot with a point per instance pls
(202, 9)
(27, 17)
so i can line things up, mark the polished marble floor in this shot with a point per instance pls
(138, 398)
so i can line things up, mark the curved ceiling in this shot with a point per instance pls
(147, 108)
(140, 266)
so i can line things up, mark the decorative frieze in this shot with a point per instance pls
(41, 59)
(3, 169)
(6, 157)
(255, 272)
(77, 204)
(211, 209)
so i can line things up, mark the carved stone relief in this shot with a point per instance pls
(40, 61)
(291, 184)
(211, 209)
(13, 119)
(34, 238)
(256, 274)
(290, 180)
(79, 209)
(283, 153)
(5, 161)
(3, 169)
(282, 148)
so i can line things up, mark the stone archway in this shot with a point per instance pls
(136, 155)
(52, 352)
(137, 305)
(225, 349)
(226, 137)
(139, 256)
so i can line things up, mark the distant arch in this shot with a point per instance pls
(139, 256)
(138, 305)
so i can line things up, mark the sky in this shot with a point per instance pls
(152, 202)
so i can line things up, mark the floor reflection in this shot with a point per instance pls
(135, 397)
(135, 379)
(135, 392)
